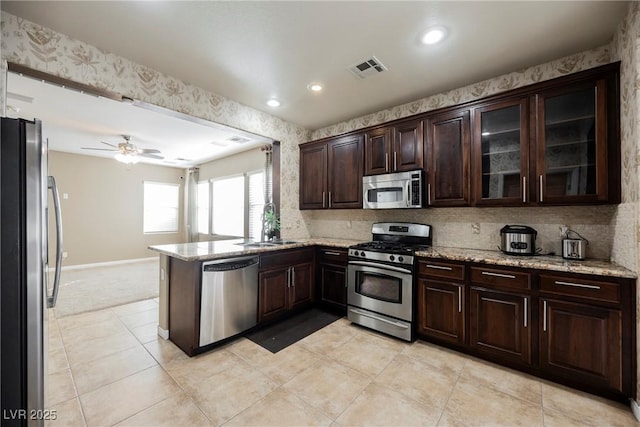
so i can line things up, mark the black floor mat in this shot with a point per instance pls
(282, 334)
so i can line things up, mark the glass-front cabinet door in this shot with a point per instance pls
(500, 153)
(571, 163)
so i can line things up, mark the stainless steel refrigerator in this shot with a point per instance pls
(24, 268)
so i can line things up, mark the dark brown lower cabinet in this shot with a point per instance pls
(285, 283)
(274, 294)
(301, 285)
(332, 279)
(441, 313)
(499, 325)
(581, 342)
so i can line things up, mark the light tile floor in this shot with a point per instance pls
(108, 367)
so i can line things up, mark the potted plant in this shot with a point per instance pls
(271, 224)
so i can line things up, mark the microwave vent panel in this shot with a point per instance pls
(368, 67)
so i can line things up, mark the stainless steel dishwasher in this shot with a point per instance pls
(229, 298)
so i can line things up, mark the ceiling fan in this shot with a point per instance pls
(126, 152)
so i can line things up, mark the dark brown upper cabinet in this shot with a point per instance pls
(313, 176)
(331, 173)
(572, 164)
(500, 165)
(377, 146)
(408, 146)
(448, 139)
(394, 149)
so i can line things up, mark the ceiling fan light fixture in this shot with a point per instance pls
(127, 158)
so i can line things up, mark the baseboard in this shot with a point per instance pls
(635, 408)
(105, 264)
(163, 333)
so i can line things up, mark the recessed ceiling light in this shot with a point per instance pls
(273, 103)
(434, 35)
(314, 87)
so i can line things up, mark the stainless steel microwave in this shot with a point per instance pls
(393, 190)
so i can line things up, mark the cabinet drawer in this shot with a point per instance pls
(331, 255)
(501, 278)
(441, 270)
(579, 287)
(286, 258)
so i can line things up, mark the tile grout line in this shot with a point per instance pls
(444, 407)
(73, 380)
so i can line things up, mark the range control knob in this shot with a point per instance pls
(401, 259)
(392, 258)
(362, 253)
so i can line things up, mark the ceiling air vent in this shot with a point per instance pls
(238, 139)
(367, 68)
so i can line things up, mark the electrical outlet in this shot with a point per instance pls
(563, 231)
(65, 254)
(65, 196)
(348, 224)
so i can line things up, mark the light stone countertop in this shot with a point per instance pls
(203, 251)
(541, 262)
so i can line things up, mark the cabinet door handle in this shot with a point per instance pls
(395, 161)
(329, 199)
(524, 189)
(293, 277)
(323, 199)
(428, 194)
(438, 267)
(544, 318)
(577, 285)
(526, 314)
(506, 276)
(331, 253)
(289, 277)
(459, 299)
(541, 189)
(386, 162)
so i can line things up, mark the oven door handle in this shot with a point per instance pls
(378, 318)
(380, 266)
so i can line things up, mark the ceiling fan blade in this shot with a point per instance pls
(98, 149)
(110, 145)
(148, 151)
(151, 156)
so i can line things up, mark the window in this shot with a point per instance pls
(161, 203)
(203, 207)
(228, 206)
(256, 204)
(235, 207)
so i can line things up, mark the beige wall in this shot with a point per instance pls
(102, 216)
(246, 161)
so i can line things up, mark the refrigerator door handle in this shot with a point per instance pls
(51, 184)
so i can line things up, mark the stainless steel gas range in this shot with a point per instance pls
(380, 278)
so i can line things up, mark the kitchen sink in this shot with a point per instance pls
(266, 244)
(256, 244)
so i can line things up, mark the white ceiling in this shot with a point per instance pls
(251, 51)
(72, 120)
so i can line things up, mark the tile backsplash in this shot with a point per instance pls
(477, 228)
